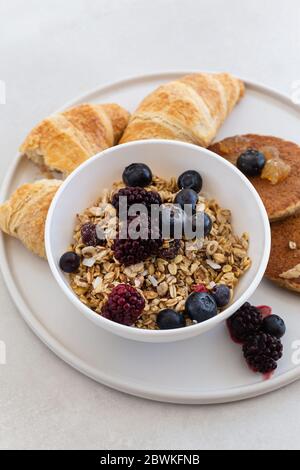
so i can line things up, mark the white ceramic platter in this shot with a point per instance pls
(207, 369)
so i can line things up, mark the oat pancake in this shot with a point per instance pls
(284, 264)
(282, 199)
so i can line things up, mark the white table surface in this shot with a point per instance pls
(51, 51)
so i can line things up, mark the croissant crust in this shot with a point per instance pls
(24, 215)
(190, 109)
(65, 140)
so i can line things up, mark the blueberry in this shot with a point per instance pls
(137, 175)
(274, 325)
(69, 262)
(201, 306)
(197, 221)
(168, 319)
(207, 225)
(172, 219)
(201, 225)
(194, 227)
(190, 180)
(221, 294)
(251, 162)
(187, 197)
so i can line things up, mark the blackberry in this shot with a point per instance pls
(136, 195)
(245, 322)
(125, 304)
(262, 351)
(171, 252)
(89, 235)
(130, 251)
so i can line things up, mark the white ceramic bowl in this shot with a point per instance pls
(222, 181)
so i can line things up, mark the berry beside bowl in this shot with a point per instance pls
(201, 179)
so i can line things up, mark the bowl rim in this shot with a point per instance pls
(143, 334)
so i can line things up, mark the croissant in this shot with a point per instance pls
(63, 141)
(23, 216)
(190, 109)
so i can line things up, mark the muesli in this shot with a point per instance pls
(156, 282)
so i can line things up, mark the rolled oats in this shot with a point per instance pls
(172, 291)
(219, 258)
(162, 289)
(172, 267)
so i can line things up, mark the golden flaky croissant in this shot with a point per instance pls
(24, 215)
(190, 109)
(65, 140)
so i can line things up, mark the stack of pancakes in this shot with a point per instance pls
(282, 201)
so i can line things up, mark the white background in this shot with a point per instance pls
(51, 51)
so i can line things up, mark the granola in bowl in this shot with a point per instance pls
(163, 283)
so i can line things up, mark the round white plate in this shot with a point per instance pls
(207, 369)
